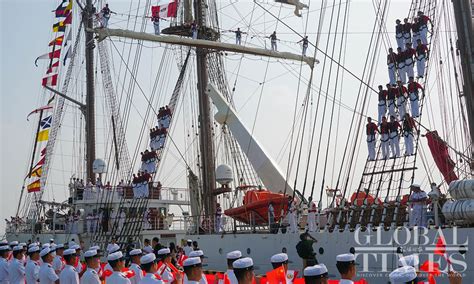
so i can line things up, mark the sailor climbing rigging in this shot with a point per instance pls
(273, 39)
(392, 66)
(423, 22)
(422, 53)
(382, 107)
(402, 75)
(394, 130)
(401, 93)
(408, 127)
(371, 130)
(305, 44)
(391, 91)
(156, 22)
(399, 34)
(105, 15)
(409, 59)
(413, 91)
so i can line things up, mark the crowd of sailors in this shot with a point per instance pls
(395, 119)
(71, 263)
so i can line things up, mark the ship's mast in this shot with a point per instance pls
(88, 14)
(205, 129)
(464, 27)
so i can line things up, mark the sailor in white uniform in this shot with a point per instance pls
(58, 263)
(347, 267)
(188, 247)
(193, 270)
(46, 273)
(198, 253)
(135, 256)
(78, 250)
(164, 270)
(229, 274)
(243, 270)
(409, 260)
(69, 274)
(32, 266)
(292, 216)
(404, 274)
(150, 266)
(316, 274)
(4, 251)
(418, 200)
(17, 267)
(281, 260)
(117, 262)
(91, 276)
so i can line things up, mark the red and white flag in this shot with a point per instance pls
(168, 10)
(50, 81)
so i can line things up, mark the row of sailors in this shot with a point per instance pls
(140, 184)
(149, 160)
(401, 64)
(390, 132)
(395, 99)
(418, 29)
(94, 221)
(158, 134)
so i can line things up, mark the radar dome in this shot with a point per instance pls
(99, 166)
(224, 174)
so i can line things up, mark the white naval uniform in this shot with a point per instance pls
(32, 272)
(46, 274)
(418, 210)
(371, 150)
(190, 282)
(17, 272)
(4, 271)
(292, 218)
(408, 137)
(345, 281)
(90, 277)
(150, 278)
(384, 139)
(165, 273)
(203, 280)
(138, 273)
(69, 275)
(231, 276)
(312, 216)
(187, 250)
(58, 263)
(117, 278)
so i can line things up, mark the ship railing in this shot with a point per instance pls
(116, 193)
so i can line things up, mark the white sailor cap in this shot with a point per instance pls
(59, 246)
(45, 246)
(115, 256)
(192, 261)
(90, 253)
(135, 252)
(2, 248)
(71, 243)
(346, 257)
(147, 258)
(22, 244)
(197, 253)
(75, 247)
(17, 248)
(33, 249)
(165, 251)
(45, 251)
(236, 254)
(51, 240)
(113, 248)
(409, 260)
(3, 243)
(403, 274)
(415, 185)
(14, 243)
(52, 247)
(243, 263)
(148, 249)
(279, 258)
(189, 241)
(94, 248)
(317, 271)
(69, 252)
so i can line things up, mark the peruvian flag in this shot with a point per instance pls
(50, 81)
(165, 10)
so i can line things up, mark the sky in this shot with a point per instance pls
(268, 112)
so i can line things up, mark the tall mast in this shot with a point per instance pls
(205, 130)
(88, 14)
(464, 27)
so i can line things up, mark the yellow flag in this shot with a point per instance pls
(34, 186)
(43, 135)
(37, 172)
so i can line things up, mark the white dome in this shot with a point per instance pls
(99, 166)
(224, 174)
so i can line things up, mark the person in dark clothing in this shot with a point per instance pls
(304, 248)
(195, 245)
(129, 248)
(155, 243)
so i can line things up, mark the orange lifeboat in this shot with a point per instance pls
(255, 207)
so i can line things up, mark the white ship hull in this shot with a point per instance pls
(376, 259)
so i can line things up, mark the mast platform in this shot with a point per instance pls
(103, 33)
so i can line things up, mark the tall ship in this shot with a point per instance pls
(242, 125)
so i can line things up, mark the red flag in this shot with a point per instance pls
(43, 152)
(299, 281)
(277, 275)
(211, 278)
(432, 269)
(68, 19)
(50, 81)
(107, 273)
(34, 186)
(40, 162)
(127, 272)
(440, 246)
(51, 55)
(165, 11)
(57, 41)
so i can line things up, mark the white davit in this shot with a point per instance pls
(459, 211)
(462, 189)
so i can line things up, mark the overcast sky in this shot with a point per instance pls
(25, 37)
